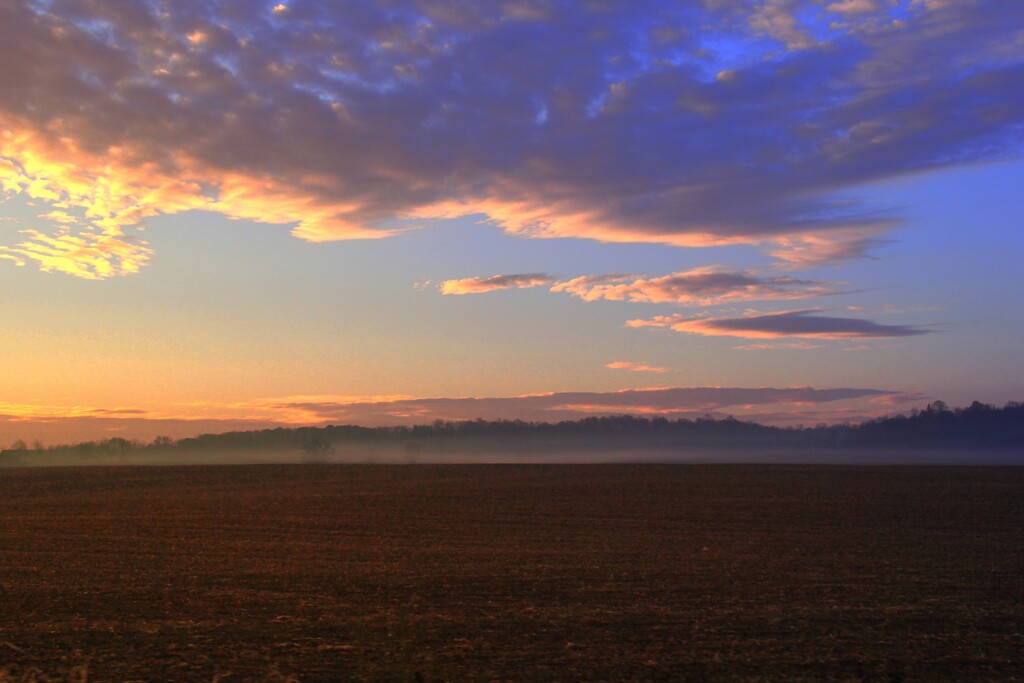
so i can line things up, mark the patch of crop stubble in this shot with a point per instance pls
(322, 573)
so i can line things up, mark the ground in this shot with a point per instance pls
(511, 573)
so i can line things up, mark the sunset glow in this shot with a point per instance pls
(219, 216)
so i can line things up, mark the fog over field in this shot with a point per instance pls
(977, 434)
(398, 456)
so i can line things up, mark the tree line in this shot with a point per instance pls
(937, 426)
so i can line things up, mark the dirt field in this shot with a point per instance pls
(326, 573)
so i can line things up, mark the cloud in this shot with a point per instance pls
(803, 346)
(635, 367)
(852, 412)
(854, 6)
(85, 254)
(353, 121)
(898, 398)
(476, 285)
(697, 287)
(801, 251)
(61, 217)
(707, 286)
(674, 401)
(54, 424)
(76, 429)
(778, 19)
(785, 324)
(66, 424)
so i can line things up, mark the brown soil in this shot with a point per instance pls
(511, 573)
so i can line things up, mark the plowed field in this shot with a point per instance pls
(511, 573)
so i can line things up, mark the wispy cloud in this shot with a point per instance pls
(635, 367)
(22, 411)
(801, 251)
(85, 254)
(805, 323)
(854, 6)
(801, 346)
(706, 286)
(346, 121)
(778, 19)
(477, 285)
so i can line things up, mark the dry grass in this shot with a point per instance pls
(423, 573)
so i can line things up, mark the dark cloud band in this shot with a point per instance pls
(786, 324)
(592, 120)
(572, 405)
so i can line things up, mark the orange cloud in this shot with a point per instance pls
(475, 285)
(85, 254)
(635, 367)
(117, 189)
(542, 217)
(706, 286)
(809, 249)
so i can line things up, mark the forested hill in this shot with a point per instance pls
(978, 426)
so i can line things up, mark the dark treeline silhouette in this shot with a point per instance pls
(978, 426)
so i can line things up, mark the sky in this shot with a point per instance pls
(236, 214)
